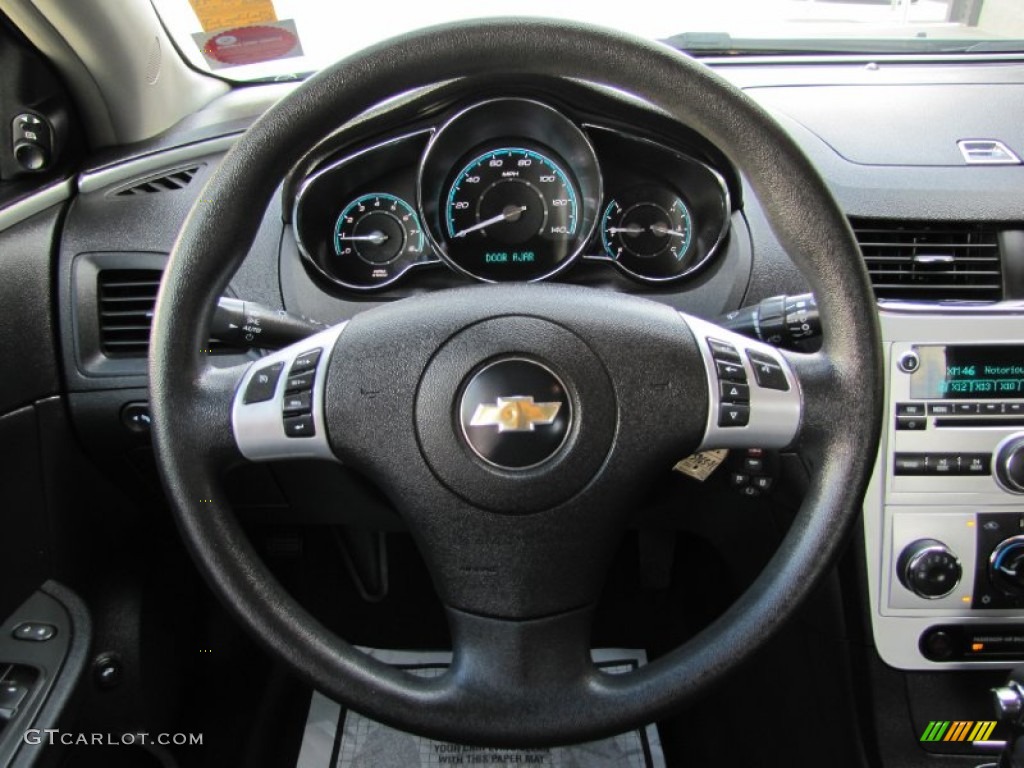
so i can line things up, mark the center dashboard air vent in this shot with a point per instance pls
(165, 181)
(931, 261)
(126, 298)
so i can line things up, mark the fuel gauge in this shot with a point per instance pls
(648, 232)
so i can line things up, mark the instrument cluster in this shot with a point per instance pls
(508, 190)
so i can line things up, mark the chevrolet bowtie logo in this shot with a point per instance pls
(515, 414)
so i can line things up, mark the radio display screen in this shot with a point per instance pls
(976, 372)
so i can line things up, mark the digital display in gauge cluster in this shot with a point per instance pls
(510, 190)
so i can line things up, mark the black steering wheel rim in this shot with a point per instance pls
(192, 428)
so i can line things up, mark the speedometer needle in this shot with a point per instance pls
(377, 238)
(511, 213)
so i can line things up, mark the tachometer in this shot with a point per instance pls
(356, 220)
(379, 229)
(511, 213)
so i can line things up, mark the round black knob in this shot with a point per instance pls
(909, 362)
(31, 156)
(1010, 464)
(1006, 565)
(928, 569)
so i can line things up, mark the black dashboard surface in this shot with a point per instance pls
(883, 153)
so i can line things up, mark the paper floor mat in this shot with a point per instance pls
(339, 738)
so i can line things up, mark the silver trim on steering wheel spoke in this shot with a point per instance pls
(770, 417)
(260, 425)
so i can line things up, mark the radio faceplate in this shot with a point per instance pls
(939, 446)
(952, 407)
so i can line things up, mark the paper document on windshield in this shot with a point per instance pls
(336, 737)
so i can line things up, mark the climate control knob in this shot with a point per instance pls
(1006, 566)
(1009, 463)
(928, 568)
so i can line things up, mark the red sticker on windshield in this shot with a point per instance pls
(250, 45)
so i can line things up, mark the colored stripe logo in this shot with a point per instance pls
(958, 730)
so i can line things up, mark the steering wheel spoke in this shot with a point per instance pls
(755, 398)
(820, 394)
(277, 410)
(531, 660)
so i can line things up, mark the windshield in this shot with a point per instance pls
(280, 39)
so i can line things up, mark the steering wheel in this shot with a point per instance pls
(517, 539)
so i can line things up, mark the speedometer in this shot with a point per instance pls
(511, 213)
(509, 191)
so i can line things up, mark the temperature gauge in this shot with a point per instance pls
(648, 231)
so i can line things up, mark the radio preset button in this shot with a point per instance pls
(965, 409)
(989, 409)
(975, 464)
(944, 465)
(1014, 408)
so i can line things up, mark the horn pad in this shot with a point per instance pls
(515, 414)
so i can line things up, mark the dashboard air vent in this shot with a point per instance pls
(166, 181)
(126, 301)
(126, 304)
(987, 152)
(931, 261)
